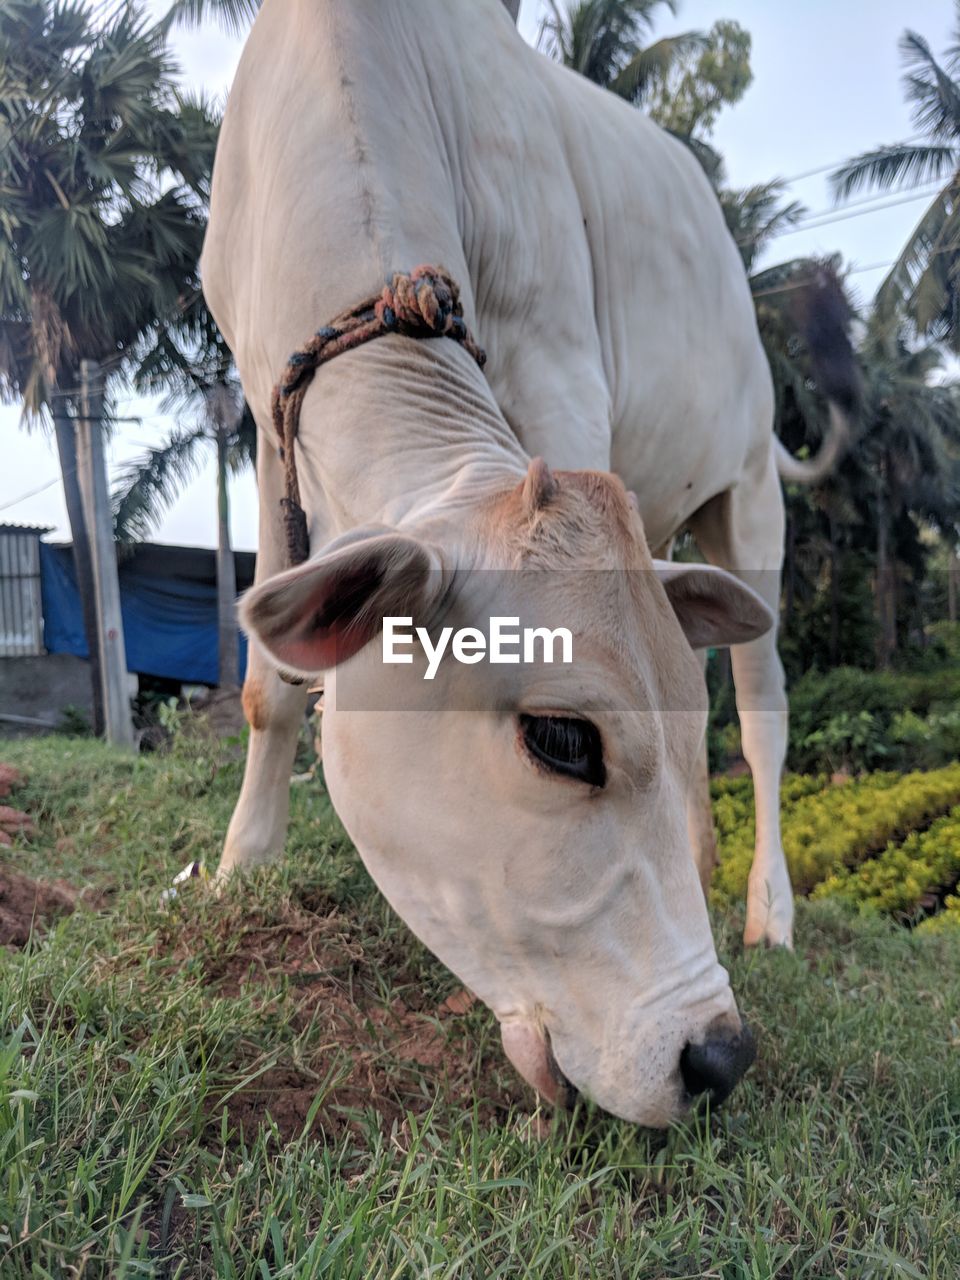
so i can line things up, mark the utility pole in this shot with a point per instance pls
(65, 428)
(92, 471)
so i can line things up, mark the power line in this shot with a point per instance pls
(31, 493)
(928, 187)
(845, 216)
(836, 164)
(857, 208)
(853, 271)
(789, 286)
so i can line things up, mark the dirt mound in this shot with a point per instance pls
(26, 903)
(13, 822)
(309, 967)
(10, 779)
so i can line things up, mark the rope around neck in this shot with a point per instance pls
(424, 304)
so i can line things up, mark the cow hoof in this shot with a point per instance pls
(769, 935)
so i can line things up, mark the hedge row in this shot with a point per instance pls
(948, 918)
(827, 829)
(898, 880)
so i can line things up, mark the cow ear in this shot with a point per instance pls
(713, 607)
(321, 613)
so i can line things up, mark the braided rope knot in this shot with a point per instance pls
(424, 303)
(424, 300)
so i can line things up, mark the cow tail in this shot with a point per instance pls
(824, 322)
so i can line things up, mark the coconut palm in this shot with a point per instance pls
(100, 227)
(604, 41)
(923, 281)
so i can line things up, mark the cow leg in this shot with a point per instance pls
(273, 708)
(742, 531)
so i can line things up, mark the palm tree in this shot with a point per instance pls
(101, 170)
(922, 283)
(603, 40)
(194, 367)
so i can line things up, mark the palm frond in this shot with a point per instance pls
(148, 486)
(242, 452)
(233, 16)
(598, 38)
(921, 283)
(899, 164)
(755, 216)
(934, 94)
(651, 66)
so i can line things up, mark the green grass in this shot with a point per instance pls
(260, 1086)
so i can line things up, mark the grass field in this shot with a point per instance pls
(271, 1084)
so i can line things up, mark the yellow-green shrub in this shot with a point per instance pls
(898, 878)
(840, 826)
(944, 921)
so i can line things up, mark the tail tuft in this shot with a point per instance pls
(823, 318)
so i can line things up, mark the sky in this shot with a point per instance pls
(827, 85)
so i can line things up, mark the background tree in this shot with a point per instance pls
(702, 79)
(103, 172)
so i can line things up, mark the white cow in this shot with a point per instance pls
(537, 843)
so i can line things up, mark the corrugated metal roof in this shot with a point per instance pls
(38, 529)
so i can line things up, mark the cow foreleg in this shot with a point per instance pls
(762, 706)
(743, 532)
(274, 712)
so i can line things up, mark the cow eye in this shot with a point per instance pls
(567, 746)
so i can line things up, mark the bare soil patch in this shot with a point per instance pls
(27, 904)
(310, 969)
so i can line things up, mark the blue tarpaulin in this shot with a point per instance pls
(168, 598)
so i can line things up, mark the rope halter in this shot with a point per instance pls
(422, 304)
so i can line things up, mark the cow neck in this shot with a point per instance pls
(398, 429)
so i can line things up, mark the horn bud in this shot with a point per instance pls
(538, 487)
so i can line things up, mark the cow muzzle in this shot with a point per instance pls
(710, 1069)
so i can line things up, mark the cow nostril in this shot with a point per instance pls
(714, 1067)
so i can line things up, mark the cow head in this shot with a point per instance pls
(528, 820)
